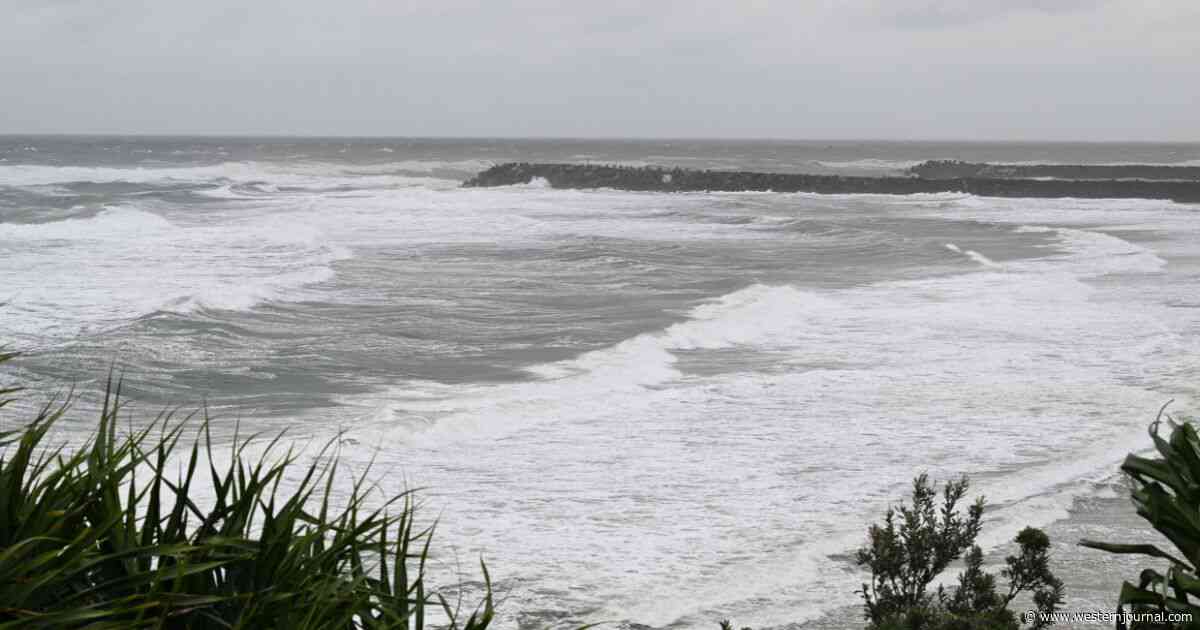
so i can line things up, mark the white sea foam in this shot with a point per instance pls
(116, 223)
(870, 164)
(714, 465)
(975, 256)
(138, 262)
(261, 246)
(538, 183)
(422, 166)
(724, 491)
(292, 174)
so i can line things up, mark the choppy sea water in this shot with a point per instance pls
(650, 408)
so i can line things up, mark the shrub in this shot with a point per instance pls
(1166, 492)
(918, 542)
(105, 536)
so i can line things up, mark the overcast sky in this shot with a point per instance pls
(899, 69)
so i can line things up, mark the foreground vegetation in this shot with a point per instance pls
(144, 529)
(1166, 492)
(918, 542)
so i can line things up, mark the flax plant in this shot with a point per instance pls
(145, 529)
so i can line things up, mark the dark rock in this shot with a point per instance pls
(678, 180)
(953, 169)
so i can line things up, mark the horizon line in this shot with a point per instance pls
(553, 138)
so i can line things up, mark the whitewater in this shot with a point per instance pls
(657, 409)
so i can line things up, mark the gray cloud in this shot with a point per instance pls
(1085, 69)
(943, 13)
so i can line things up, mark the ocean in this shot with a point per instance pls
(655, 409)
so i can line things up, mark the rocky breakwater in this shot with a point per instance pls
(685, 180)
(954, 169)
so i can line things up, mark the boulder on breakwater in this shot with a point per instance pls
(684, 180)
(954, 169)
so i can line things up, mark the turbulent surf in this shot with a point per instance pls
(659, 408)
